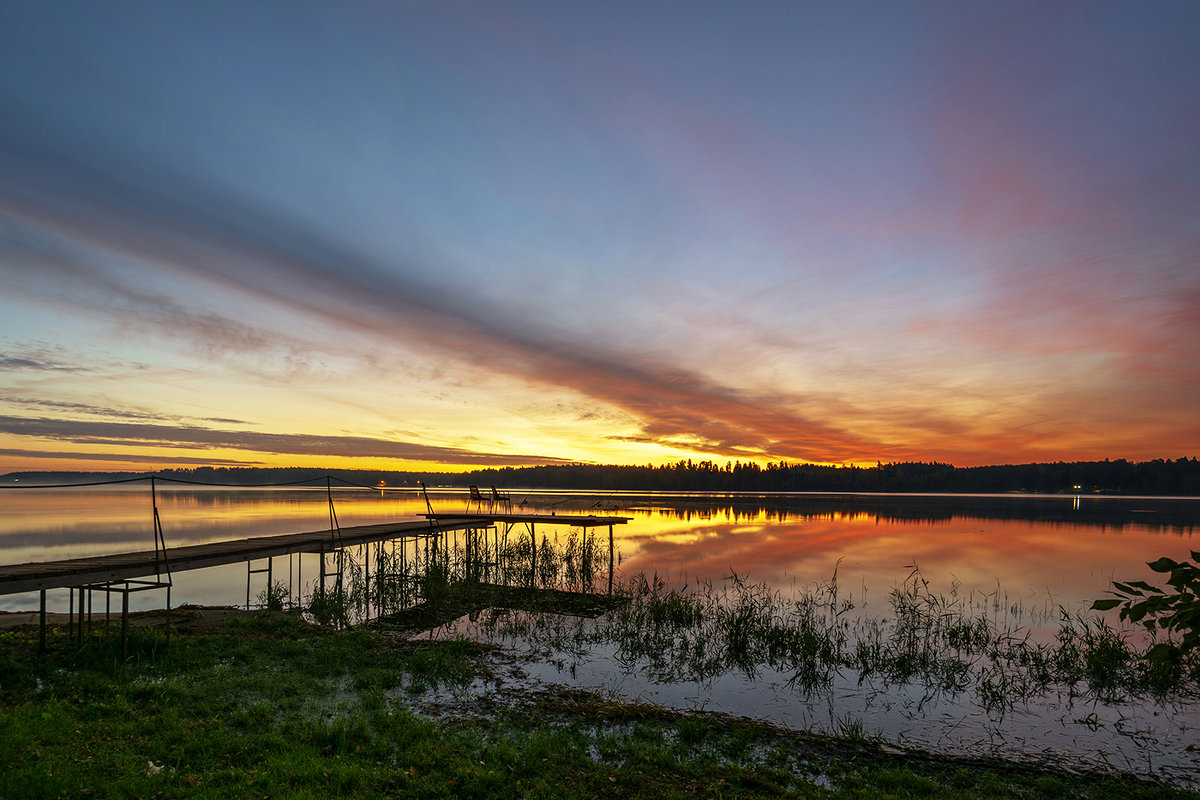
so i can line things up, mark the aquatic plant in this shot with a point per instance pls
(946, 644)
(274, 597)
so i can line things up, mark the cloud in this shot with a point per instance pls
(220, 237)
(82, 456)
(120, 434)
(994, 144)
(104, 411)
(19, 362)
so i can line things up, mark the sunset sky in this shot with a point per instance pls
(444, 235)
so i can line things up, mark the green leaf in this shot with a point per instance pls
(1164, 564)
(1163, 653)
(1105, 605)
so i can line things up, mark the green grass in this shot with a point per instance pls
(271, 707)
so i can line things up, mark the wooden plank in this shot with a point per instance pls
(574, 520)
(32, 576)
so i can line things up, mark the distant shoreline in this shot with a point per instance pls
(1156, 478)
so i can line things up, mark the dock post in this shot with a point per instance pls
(71, 612)
(125, 623)
(168, 613)
(42, 624)
(610, 558)
(322, 570)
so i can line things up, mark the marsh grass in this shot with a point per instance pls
(388, 579)
(270, 706)
(944, 645)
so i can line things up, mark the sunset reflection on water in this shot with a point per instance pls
(1048, 560)
(1040, 551)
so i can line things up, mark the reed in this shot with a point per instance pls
(382, 580)
(945, 644)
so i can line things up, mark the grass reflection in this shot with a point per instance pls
(943, 645)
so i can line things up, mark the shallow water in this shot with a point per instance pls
(1020, 560)
(1138, 737)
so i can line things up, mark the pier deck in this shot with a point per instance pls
(33, 576)
(74, 572)
(574, 520)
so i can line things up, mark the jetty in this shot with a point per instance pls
(153, 569)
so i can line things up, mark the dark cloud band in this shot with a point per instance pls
(129, 434)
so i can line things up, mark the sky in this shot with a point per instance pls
(451, 235)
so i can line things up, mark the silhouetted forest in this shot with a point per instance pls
(1158, 477)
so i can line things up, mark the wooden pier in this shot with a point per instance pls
(124, 573)
(34, 576)
(74, 572)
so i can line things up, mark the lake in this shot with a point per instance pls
(1043, 551)
(1022, 561)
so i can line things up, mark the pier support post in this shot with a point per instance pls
(322, 577)
(610, 558)
(125, 623)
(42, 624)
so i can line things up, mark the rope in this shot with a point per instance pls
(76, 485)
(244, 485)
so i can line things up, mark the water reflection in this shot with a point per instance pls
(1017, 560)
(1039, 551)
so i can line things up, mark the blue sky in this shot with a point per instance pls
(444, 235)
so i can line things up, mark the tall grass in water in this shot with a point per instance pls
(378, 580)
(945, 644)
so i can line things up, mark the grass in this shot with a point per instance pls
(946, 645)
(274, 707)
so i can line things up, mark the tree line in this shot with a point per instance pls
(1157, 477)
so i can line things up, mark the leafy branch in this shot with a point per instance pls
(1157, 609)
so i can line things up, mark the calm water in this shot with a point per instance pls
(1027, 557)
(1039, 551)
